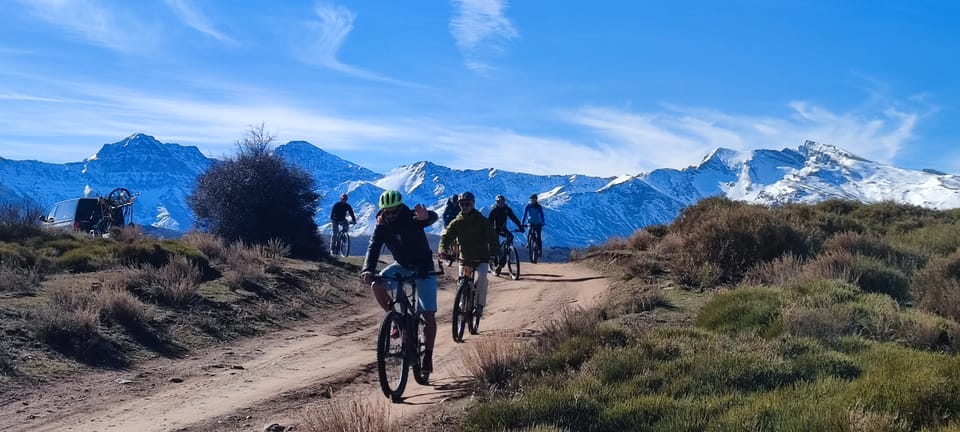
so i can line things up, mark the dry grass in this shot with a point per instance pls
(642, 240)
(127, 234)
(178, 281)
(775, 273)
(19, 280)
(119, 306)
(275, 249)
(210, 245)
(936, 287)
(349, 416)
(493, 362)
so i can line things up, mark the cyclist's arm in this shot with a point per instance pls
(513, 217)
(526, 209)
(448, 236)
(431, 219)
(373, 250)
(350, 211)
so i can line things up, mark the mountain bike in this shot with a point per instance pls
(116, 210)
(340, 244)
(508, 257)
(452, 256)
(534, 244)
(465, 303)
(401, 350)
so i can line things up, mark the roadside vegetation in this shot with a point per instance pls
(836, 317)
(70, 301)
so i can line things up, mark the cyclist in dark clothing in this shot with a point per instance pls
(401, 230)
(338, 219)
(498, 218)
(451, 210)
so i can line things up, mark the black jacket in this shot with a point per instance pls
(405, 239)
(498, 218)
(450, 211)
(340, 210)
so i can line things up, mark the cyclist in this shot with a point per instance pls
(498, 220)
(451, 210)
(478, 243)
(338, 219)
(536, 218)
(401, 230)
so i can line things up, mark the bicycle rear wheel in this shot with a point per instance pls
(513, 263)
(473, 320)
(344, 245)
(392, 357)
(459, 312)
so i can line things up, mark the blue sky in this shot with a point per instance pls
(541, 86)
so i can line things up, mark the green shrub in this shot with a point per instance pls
(874, 247)
(804, 406)
(868, 273)
(891, 217)
(564, 408)
(935, 239)
(88, 257)
(746, 309)
(921, 388)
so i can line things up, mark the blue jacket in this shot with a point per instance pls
(535, 212)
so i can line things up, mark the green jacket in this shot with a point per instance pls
(478, 241)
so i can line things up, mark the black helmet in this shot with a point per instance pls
(455, 198)
(500, 198)
(467, 196)
(533, 197)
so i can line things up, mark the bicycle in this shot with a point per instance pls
(395, 362)
(464, 304)
(340, 244)
(452, 256)
(116, 209)
(507, 256)
(534, 244)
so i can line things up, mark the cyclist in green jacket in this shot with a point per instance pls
(478, 243)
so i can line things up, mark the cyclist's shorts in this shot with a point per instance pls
(426, 286)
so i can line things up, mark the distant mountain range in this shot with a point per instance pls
(580, 210)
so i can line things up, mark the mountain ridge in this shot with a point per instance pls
(580, 210)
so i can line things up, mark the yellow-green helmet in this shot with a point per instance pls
(390, 199)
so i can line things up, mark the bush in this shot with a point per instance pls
(642, 240)
(728, 239)
(936, 287)
(870, 274)
(775, 273)
(88, 257)
(873, 247)
(257, 196)
(69, 323)
(934, 239)
(19, 221)
(118, 306)
(19, 280)
(493, 363)
(747, 309)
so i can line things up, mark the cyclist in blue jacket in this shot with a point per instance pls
(533, 215)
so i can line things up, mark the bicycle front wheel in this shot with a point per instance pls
(392, 358)
(460, 312)
(473, 319)
(420, 376)
(513, 263)
(344, 245)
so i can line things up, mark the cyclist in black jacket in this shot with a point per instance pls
(498, 218)
(401, 230)
(338, 219)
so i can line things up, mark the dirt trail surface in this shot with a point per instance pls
(270, 379)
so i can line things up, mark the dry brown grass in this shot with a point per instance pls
(126, 234)
(210, 245)
(634, 298)
(642, 240)
(119, 306)
(275, 249)
(775, 273)
(19, 280)
(349, 416)
(178, 281)
(936, 287)
(493, 362)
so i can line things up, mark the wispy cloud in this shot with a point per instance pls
(678, 136)
(481, 30)
(326, 35)
(92, 22)
(192, 17)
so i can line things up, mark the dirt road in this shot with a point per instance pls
(267, 380)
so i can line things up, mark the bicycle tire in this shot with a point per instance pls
(344, 248)
(513, 263)
(393, 363)
(421, 346)
(473, 320)
(459, 312)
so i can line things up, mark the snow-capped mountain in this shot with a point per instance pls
(580, 210)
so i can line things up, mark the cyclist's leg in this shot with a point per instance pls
(335, 226)
(427, 299)
(539, 230)
(482, 283)
(380, 288)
